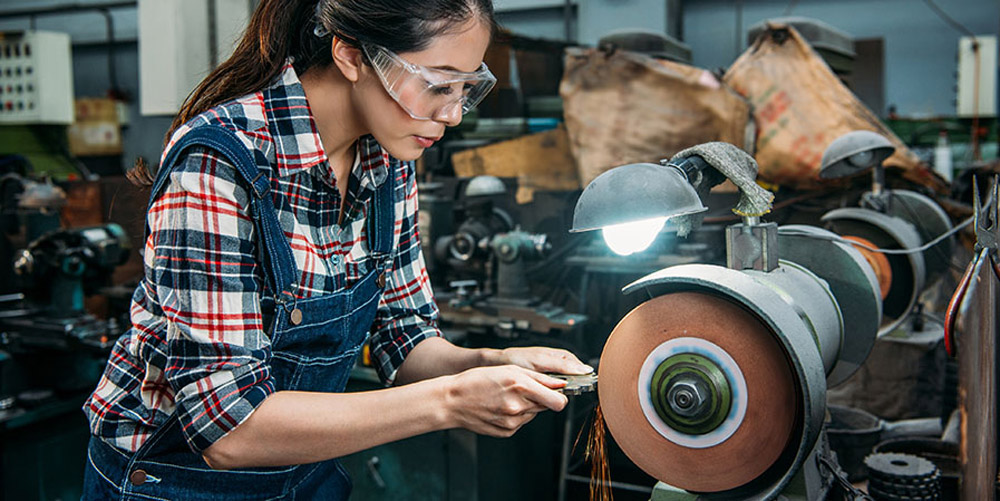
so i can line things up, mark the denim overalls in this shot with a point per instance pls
(314, 343)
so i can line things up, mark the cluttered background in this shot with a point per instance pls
(584, 86)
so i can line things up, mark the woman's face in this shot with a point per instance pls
(403, 136)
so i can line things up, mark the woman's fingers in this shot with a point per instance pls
(543, 359)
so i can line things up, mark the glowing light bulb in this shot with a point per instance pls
(636, 236)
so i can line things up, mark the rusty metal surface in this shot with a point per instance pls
(977, 347)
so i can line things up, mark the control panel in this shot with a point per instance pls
(36, 78)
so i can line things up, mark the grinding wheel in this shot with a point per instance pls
(877, 260)
(753, 430)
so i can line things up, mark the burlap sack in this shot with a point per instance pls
(622, 107)
(800, 107)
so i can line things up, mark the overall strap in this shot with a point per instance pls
(278, 260)
(382, 218)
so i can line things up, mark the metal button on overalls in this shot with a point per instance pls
(381, 279)
(138, 477)
(295, 316)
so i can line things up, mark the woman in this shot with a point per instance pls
(281, 232)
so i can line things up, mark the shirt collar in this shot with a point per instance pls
(296, 139)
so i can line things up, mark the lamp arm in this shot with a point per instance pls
(700, 173)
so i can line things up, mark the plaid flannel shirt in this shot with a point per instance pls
(197, 345)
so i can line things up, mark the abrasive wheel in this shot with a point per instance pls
(698, 392)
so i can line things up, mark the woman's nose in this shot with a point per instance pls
(450, 115)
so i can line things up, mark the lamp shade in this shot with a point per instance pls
(635, 192)
(854, 152)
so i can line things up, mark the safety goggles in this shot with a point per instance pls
(426, 93)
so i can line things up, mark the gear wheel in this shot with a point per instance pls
(902, 477)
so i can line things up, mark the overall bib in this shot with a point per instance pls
(314, 344)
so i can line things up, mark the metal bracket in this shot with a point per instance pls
(752, 245)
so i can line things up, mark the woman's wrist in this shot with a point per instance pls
(491, 356)
(444, 388)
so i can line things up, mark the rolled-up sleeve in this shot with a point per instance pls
(407, 313)
(206, 276)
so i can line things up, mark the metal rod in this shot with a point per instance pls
(109, 23)
(977, 383)
(568, 21)
(65, 8)
(613, 484)
(213, 35)
(878, 180)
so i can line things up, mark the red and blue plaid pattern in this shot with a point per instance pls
(197, 345)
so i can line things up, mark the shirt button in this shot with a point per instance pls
(296, 316)
(138, 477)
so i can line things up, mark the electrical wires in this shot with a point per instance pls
(948, 19)
(922, 248)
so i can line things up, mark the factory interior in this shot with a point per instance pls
(770, 226)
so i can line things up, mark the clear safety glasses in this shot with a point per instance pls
(427, 93)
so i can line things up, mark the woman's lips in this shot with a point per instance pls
(426, 142)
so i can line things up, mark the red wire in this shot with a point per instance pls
(956, 299)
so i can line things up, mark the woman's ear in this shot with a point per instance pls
(347, 58)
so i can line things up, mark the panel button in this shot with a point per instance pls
(296, 316)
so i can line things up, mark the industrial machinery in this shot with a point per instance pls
(487, 261)
(56, 271)
(888, 225)
(715, 384)
(736, 405)
(47, 273)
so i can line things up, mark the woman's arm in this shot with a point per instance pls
(436, 356)
(299, 427)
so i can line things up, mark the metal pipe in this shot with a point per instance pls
(977, 384)
(568, 21)
(109, 24)
(65, 8)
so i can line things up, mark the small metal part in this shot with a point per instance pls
(24, 263)
(752, 245)
(138, 477)
(690, 393)
(577, 384)
(295, 316)
(902, 477)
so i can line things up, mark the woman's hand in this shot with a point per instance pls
(540, 359)
(497, 401)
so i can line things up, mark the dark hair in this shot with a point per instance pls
(280, 29)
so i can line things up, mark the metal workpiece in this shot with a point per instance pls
(812, 300)
(977, 377)
(577, 384)
(908, 271)
(752, 245)
(853, 284)
(788, 329)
